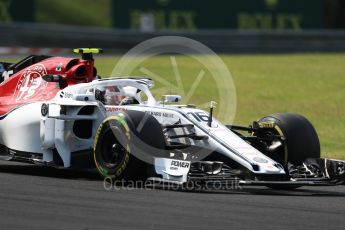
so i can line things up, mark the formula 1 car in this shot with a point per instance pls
(57, 112)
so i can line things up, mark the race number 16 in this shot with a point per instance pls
(199, 116)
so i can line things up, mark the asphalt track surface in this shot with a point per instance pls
(34, 197)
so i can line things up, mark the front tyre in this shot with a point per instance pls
(301, 139)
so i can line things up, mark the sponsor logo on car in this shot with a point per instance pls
(30, 83)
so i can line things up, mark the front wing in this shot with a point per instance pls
(210, 174)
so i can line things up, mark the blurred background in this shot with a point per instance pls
(223, 25)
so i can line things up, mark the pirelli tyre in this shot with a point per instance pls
(116, 147)
(300, 138)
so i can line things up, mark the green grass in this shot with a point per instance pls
(309, 84)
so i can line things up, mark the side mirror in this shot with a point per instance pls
(172, 98)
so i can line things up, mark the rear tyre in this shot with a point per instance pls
(301, 139)
(111, 147)
(121, 143)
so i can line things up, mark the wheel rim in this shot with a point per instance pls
(112, 152)
(279, 154)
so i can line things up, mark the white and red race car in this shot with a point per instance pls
(56, 112)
